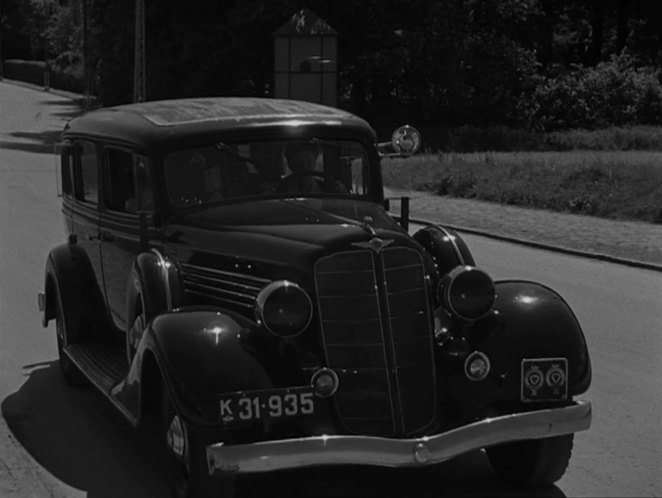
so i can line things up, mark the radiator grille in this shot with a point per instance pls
(376, 328)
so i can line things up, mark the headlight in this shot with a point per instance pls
(284, 308)
(467, 292)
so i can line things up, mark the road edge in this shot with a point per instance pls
(549, 247)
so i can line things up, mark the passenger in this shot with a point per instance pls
(305, 178)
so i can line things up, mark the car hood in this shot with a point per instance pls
(279, 233)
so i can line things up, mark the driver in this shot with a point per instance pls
(302, 160)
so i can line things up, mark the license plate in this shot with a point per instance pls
(544, 379)
(270, 404)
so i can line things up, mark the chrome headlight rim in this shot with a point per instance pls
(446, 288)
(263, 297)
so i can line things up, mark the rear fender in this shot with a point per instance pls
(69, 276)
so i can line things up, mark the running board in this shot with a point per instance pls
(104, 365)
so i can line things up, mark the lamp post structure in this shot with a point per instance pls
(305, 59)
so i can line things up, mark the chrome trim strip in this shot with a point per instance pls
(451, 239)
(365, 450)
(224, 300)
(166, 276)
(261, 282)
(209, 290)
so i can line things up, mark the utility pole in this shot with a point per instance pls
(139, 58)
(86, 69)
(1, 59)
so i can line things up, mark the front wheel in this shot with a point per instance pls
(534, 462)
(187, 469)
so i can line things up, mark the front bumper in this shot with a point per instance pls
(367, 450)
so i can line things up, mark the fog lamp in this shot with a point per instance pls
(477, 366)
(467, 292)
(324, 382)
(284, 308)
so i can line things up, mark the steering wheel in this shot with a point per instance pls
(327, 179)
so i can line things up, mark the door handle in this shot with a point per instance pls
(106, 236)
(102, 237)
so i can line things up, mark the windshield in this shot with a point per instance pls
(226, 171)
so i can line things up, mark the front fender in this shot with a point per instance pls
(446, 247)
(154, 283)
(202, 353)
(533, 321)
(536, 322)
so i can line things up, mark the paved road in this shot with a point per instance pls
(59, 442)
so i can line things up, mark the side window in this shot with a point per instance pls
(145, 196)
(129, 182)
(67, 171)
(85, 160)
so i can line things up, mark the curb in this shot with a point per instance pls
(540, 245)
(39, 88)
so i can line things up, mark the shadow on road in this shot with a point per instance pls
(76, 435)
(79, 437)
(43, 142)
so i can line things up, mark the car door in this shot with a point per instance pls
(127, 193)
(84, 212)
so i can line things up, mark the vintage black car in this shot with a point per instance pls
(234, 283)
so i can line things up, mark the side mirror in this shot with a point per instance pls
(405, 141)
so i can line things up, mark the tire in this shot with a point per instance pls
(187, 472)
(534, 462)
(70, 371)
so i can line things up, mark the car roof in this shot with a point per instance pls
(158, 122)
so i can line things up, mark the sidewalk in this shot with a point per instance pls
(628, 242)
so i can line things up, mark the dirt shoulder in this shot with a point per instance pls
(628, 241)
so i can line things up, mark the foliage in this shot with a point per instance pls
(505, 139)
(529, 64)
(612, 93)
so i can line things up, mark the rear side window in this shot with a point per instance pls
(85, 160)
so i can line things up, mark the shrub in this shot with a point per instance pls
(613, 93)
(22, 70)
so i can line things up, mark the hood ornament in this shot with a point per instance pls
(375, 244)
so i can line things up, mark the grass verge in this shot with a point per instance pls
(623, 185)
